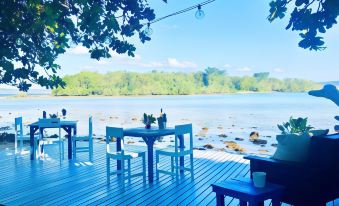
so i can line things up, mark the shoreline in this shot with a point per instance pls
(50, 96)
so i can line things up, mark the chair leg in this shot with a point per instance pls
(91, 149)
(192, 167)
(108, 167)
(123, 172)
(176, 169)
(129, 171)
(144, 167)
(156, 165)
(74, 149)
(172, 164)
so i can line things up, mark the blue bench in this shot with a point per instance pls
(244, 190)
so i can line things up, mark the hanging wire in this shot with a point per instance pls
(180, 12)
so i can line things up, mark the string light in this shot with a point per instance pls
(199, 14)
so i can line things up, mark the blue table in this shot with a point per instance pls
(68, 126)
(149, 136)
(244, 190)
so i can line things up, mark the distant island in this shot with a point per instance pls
(210, 81)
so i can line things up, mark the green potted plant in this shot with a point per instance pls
(294, 140)
(148, 120)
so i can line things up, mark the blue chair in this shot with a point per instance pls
(19, 135)
(177, 152)
(51, 123)
(122, 156)
(88, 138)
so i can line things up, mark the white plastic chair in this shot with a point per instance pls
(51, 123)
(19, 135)
(122, 156)
(88, 138)
(176, 153)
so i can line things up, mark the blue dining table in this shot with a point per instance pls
(149, 136)
(68, 126)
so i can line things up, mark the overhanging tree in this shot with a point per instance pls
(33, 33)
(310, 17)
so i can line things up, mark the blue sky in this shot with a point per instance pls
(234, 35)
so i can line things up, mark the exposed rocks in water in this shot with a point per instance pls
(0, 117)
(134, 119)
(200, 138)
(254, 127)
(233, 125)
(254, 136)
(220, 127)
(222, 135)
(144, 141)
(130, 142)
(274, 145)
(262, 145)
(113, 139)
(205, 129)
(234, 146)
(171, 140)
(5, 128)
(199, 148)
(259, 141)
(263, 151)
(6, 137)
(239, 139)
(220, 149)
(208, 146)
(268, 136)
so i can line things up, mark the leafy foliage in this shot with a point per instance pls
(148, 119)
(309, 17)
(162, 83)
(33, 33)
(295, 126)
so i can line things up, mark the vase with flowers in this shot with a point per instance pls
(148, 120)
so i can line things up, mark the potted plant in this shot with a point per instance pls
(294, 140)
(148, 120)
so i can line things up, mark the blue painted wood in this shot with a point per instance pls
(149, 136)
(78, 181)
(244, 190)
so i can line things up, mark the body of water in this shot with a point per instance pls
(233, 115)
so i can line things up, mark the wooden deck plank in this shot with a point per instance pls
(75, 182)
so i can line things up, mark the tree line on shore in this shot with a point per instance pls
(209, 81)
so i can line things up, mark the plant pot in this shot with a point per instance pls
(148, 126)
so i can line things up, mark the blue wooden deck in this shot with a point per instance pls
(80, 182)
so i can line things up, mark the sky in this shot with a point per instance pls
(234, 35)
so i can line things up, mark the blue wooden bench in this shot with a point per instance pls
(244, 190)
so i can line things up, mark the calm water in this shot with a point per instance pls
(235, 115)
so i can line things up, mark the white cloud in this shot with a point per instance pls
(172, 62)
(78, 50)
(279, 70)
(227, 66)
(244, 69)
(152, 65)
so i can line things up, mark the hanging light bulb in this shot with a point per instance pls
(148, 31)
(200, 14)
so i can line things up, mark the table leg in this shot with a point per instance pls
(118, 143)
(69, 133)
(182, 159)
(220, 199)
(31, 142)
(150, 160)
(275, 202)
(242, 203)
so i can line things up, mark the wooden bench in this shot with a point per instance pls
(244, 190)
